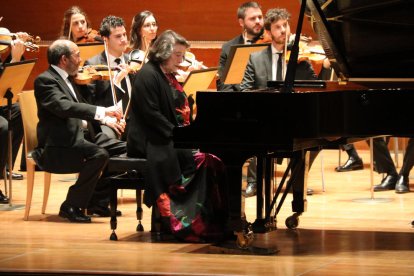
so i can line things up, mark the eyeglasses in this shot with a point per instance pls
(148, 25)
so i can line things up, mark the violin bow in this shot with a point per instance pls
(111, 81)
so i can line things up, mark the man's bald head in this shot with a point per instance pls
(58, 49)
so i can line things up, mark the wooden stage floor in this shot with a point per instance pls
(343, 232)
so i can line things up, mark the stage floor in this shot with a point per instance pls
(343, 232)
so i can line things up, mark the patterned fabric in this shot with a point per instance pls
(195, 208)
(182, 107)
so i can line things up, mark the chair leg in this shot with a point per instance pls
(30, 183)
(140, 211)
(113, 202)
(47, 179)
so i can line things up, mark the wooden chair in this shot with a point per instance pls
(29, 116)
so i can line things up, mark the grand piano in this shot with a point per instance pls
(369, 44)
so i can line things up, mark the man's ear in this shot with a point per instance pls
(241, 22)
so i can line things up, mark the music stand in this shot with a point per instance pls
(236, 63)
(199, 80)
(12, 81)
(88, 50)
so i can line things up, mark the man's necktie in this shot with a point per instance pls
(125, 96)
(279, 68)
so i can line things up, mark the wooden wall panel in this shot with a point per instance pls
(213, 21)
(195, 20)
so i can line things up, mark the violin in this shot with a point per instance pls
(6, 40)
(137, 58)
(309, 53)
(90, 73)
(190, 60)
(91, 36)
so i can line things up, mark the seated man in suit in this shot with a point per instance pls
(266, 65)
(114, 34)
(64, 119)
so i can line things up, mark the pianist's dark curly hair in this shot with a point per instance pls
(274, 15)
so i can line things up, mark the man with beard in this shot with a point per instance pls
(250, 18)
(64, 143)
(266, 65)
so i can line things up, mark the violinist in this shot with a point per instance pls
(250, 18)
(117, 90)
(143, 33)
(76, 27)
(268, 64)
(17, 49)
(66, 140)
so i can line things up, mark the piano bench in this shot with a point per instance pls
(125, 173)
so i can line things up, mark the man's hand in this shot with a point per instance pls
(117, 126)
(114, 111)
(17, 50)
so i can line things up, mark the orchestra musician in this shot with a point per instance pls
(143, 33)
(66, 139)
(186, 187)
(267, 64)
(250, 17)
(17, 49)
(76, 27)
(106, 92)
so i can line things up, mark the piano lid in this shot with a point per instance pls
(366, 39)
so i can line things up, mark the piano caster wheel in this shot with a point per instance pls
(244, 240)
(292, 222)
(113, 236)
(412, 223)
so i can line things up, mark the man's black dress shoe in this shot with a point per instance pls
(101, 211)
(402, 185)
(309, 191)
(352, 164)
(388, 183)
(15, 176)
(73, 214)
(3, 199)
(251, 189)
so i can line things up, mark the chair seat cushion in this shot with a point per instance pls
(123, 163)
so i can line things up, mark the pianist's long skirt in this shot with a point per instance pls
(195, 209)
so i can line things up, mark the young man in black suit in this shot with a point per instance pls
(114, 34)
(64, 119)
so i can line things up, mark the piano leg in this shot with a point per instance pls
(237, 219)
(298, 182)
(263, 223)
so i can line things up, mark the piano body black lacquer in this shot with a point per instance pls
(369, 44)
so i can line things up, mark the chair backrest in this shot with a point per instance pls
(28, 109)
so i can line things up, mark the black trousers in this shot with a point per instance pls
(408, 161)
(382, 157)
(17, 134)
